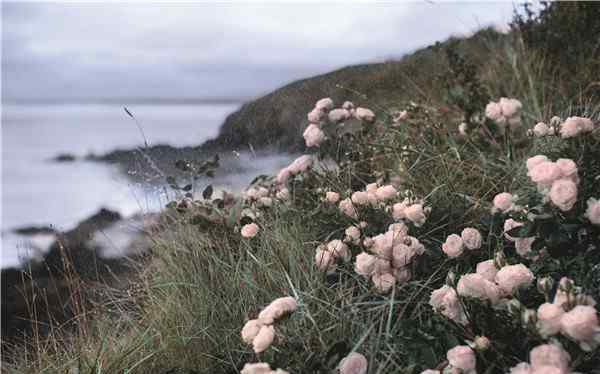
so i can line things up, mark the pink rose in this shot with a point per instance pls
(512, 277)
(348, 105)
(360, 198)
(571, 127)
(398, 209)
(453, 247)
(332, 197)
(364, 114)
(444, 300)
(476, 286)
(325, 104)
(462, 357)
(549, 355)
(250, 230)
(549, 316)
(383, 282)
(415, 214)
(523, 245)
(339, 249)
(545, 173)
(581, 324)
(568, 169)
(503, 202)
(283, 175)
(354, 363)
(338, 115)
(347, 208)
(384, 193)
(313, 136)
(471, 238)
(353, 233)
(264, 338)
(521, 368)
(301, 164)
(365, 264)
(257, 368)
(510, 107)
(493, 111)
(487, 269)
(541, 129)
(510, 224)
(250, 330)
(315, 116)
(325, 260)
(535, 160)
(563, 194)
(593, 211)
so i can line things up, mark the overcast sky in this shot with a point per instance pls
(135, 50)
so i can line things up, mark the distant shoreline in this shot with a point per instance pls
(127, 101)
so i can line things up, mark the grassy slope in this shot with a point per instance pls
(201, 286)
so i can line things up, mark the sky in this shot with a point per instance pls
(107, 50)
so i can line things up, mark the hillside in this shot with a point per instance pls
(460, 237)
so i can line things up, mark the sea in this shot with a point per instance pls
(38, 191)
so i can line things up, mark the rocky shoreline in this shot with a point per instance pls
(51, 290)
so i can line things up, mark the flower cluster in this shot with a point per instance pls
(392, 253)
(505, 112)
(461, 359)
(324, 112)
(574, 126)
(557, 181)
(455, 245)
(326, 255)
(571, 314)
(260, 332)
(298, 166)
(545, 359)
(411, 210)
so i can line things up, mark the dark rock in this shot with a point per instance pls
(34, 230)
(65, 157)
(54, 290)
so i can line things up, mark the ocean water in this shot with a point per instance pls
(38, 191)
